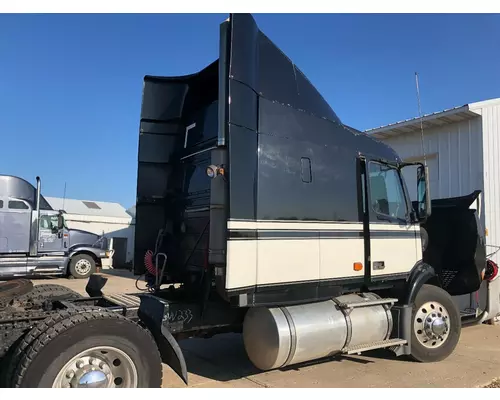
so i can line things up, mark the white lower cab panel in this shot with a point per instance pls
(275, 252)
(338, 252)
(281, 259)
(241, 263)
(394, 249)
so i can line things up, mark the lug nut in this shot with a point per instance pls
(80, 364)
(70, 374)
(101, 365)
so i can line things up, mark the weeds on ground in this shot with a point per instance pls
(494, 384)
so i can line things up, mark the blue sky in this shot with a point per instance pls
(70, 85)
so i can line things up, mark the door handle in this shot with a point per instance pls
(377, 265)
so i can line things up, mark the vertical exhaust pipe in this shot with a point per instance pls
(35, 219)
(38, 194)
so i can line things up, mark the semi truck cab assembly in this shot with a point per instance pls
(258, 211)
(35, 239)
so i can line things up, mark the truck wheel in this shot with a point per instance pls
(44, 292)
(91, 349)
(436, 325)
(15, 353)
(81, 266)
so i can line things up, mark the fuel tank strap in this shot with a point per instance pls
(347, 316)
(390, 322)
(293, 336)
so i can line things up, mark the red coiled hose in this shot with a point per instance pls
(149, 263)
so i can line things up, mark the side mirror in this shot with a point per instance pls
(423, 193)
(60, 221)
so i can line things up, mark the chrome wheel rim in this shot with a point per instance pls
(98, 367)
(83, 267)
(432, 324)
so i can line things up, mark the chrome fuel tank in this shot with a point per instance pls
(281, 336)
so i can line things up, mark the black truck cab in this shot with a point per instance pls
(253, 188)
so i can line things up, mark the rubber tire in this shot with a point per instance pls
(44, 292)
(51, 350)
(75, 259)
(18, 350)
(15, 353)
(7, 357)
(14, 288)
(418, 351)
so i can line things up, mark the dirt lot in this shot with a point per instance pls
(222, 362)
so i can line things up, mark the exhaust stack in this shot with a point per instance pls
(38, 193)
(35, 218)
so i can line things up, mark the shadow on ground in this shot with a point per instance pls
(223, 358)
(122, 273)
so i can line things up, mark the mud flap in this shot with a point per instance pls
(95, 285)
(152, 312)
(171, 354)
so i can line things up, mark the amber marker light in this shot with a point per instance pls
(357, 266)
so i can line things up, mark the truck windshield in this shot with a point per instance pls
(386, 191)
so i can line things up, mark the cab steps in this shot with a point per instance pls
(358, 349)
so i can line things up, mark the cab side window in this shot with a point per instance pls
(48, 222)
(44, 222)
(17, 205)
(386, 191)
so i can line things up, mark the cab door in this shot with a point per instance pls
(394, 238)
(50, 237)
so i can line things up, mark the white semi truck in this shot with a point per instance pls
(264, 214)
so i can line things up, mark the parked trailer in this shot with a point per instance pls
(259, 212)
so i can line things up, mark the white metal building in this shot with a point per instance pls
(110, 219)
(462, 147)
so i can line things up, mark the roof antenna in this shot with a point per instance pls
(64, 196)
(421, 120)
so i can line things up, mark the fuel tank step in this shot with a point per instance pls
(374, 345)
(366, 303)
